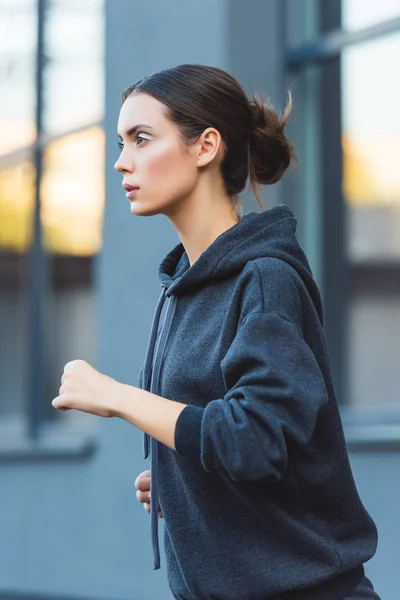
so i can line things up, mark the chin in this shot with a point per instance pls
(141, 209)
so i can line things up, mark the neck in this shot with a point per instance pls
(199, 221)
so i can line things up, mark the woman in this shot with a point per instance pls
(248, 460)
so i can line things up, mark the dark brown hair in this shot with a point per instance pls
(201, 96)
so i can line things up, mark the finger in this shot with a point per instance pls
(57, 403)
(146, 507)
(142, 483)
(143, 474)
(143, 496)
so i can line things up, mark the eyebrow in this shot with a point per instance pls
(133, 129)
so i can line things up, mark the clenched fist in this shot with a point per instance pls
(142, 485)
(84, 388)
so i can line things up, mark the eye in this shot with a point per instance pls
(139, 138)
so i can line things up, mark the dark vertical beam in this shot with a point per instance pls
(37, 277)
(334, 264)
(302, 184)
(258, 66)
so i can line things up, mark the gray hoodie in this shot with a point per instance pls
(258, 498)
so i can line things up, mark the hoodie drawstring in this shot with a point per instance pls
(151, 375)
(149, 357)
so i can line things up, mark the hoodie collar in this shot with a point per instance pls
(255, 235)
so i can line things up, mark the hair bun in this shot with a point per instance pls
(270, 152)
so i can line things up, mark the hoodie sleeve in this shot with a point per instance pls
(275, 390)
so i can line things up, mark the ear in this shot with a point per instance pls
(208, 146)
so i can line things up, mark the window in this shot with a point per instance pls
(357, 16)
(341, 64)
(17, 195)
(371, 190)
(51, 200)
(73, 78)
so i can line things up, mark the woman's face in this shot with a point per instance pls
(153, 157)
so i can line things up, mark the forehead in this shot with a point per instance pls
(141, 108)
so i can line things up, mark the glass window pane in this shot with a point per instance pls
(72, 193)
(17, 198)
(357, 14)
(16, 209)
(72, 186)
(371, 187)
(371, 147)
(374, 350)
(71, 320)
(72, 197)
(74, 73)
(17, 73)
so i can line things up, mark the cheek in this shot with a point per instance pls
(166, 167)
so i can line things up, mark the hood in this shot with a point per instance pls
(269, 233)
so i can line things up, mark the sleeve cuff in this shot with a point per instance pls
(188, 431)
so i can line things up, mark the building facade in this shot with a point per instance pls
(78, 272)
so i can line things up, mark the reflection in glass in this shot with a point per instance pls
(17, 197)
(72, 190)
(374, 344)
(71, 316)
(358, 14)
(16, 209)
(17, 73)
(74, 73)
(371, 188)
(371, 147)
(13, 338)
(72, 194)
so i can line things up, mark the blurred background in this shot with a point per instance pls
(78, 273)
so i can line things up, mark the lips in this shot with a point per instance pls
(131, 190)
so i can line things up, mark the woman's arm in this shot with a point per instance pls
(153, 414)
(86, 389)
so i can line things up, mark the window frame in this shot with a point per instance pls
(376, 429)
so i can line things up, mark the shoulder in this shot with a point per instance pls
(269, 284)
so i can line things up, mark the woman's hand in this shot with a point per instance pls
(83, 388)
(142, 485)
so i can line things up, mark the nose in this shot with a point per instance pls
(122, 165)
